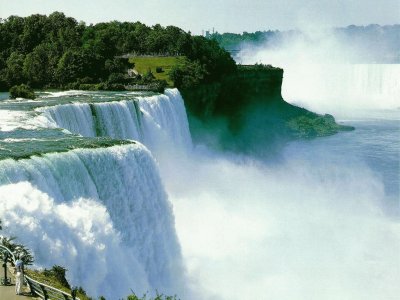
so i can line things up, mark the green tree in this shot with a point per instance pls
(34, 32)
(56, 50)
(71, 66)
(40, 65)
(188, 74)
(14, 69)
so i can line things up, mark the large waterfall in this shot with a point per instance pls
(124, 180)
(155, 120)
(318, 222)
(103, 213)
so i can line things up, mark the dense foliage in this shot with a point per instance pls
(55, 50)
(22, 91)
(17, 249)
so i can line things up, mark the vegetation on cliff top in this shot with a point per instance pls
(159, 66)
(58, 51)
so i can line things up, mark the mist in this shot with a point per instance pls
(309, 219)
(329, 72)
(307, 223)
(302, 229)
(79, 233)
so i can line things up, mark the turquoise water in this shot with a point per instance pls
(22, 134)
(322, 217)
(375, 143)
(91, 191)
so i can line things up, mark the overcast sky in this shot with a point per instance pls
(224, 15)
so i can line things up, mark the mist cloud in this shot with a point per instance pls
(300, 229)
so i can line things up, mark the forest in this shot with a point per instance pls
(57, 51)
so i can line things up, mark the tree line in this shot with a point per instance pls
(56, 50)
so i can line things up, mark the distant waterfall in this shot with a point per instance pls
(102, 213)
(342, 86)
(155, 120)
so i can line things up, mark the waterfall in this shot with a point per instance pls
(76, 117)
(342, 87)
(156, 121)
(103, 213)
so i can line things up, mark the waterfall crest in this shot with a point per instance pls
(155, 121)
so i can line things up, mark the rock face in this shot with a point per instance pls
(246, 111)
(250, 85)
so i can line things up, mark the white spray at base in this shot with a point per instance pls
(305, 229)
(103, 213)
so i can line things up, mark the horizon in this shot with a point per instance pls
(223, 17)
(211, 30)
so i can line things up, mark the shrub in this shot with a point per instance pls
(117, 78)
(22, 91)
(148, 77)
(59, 273)
(158, 297)
(188, 74)
(159, 70)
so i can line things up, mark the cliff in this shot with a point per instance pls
(249, 85)
(246, 111)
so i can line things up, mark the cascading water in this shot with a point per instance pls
(103, 213)
(327, 87)
(156, 121)
(324, 75)
(129, 241)
(311, 225)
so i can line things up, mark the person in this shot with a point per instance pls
(19, 275)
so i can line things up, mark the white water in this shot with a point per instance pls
(313, 225)
(308, 227)
(319, 75)
(342, 87)
(164, 122)
(103, 213)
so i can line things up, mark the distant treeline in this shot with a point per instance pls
(55, 50)
(374, 43)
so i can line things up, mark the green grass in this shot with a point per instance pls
(51, 281)
(143, 64)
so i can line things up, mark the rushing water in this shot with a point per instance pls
(89, 202)
(319, 222)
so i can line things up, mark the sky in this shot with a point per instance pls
(223, 15)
